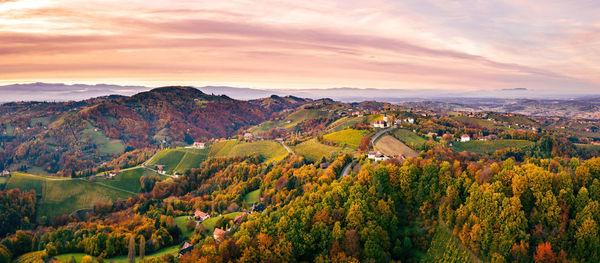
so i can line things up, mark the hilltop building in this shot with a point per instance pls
(465, 138)
(197, 145)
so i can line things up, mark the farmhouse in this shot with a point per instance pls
(187, 247)
(239, 219)
(201, 216)
(371, 154)
(377, 156)
(5, 172)
(248, 136)
(465, 138)
(219, 234)
(197, 145)
(161, 169)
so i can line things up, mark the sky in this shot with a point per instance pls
(547, 46)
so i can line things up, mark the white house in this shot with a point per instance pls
(197, 145)
(465, 138)
(371, 155)
(377, 156)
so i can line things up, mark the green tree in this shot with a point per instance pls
(587, 240)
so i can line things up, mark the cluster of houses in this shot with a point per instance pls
(5, 173)
(219, 234)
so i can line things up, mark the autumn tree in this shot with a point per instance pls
(544, 253)
(142, 247)
(131, 253)
(365, 142)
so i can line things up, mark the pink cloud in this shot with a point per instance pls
(382, 45)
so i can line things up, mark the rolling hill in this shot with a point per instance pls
(69, 137)
(64, 196)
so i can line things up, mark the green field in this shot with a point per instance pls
(128, 180)
(181, 221)
(489, 147)
(3, 180)
(475, 122)
(26, 182)
(209, 224)
(291, 120)
(45, 121)
(344, 122)
(179, 159)
(350, 137)
(121, 259)
(271, 151)
(313, 150)
(446, 248)
(222, 148)
(106, 145)
(36, 170)
(252, 197)
(64, 196)
(409, 138)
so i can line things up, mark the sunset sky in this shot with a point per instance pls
(404, 44)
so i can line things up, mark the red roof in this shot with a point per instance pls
(200, 214)
(465, 136)
(219, 233)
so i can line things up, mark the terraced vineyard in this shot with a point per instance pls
(409, 138)
(179, 159)
(349, 137)
(391, 146)
(313, 150)
(489, 147)
(63, 195)
(269, 150)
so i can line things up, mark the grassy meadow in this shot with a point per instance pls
(252, 197)
(489, 147)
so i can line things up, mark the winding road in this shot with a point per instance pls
(347, 169)
(377, 135)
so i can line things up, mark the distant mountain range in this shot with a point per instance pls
(62, 92)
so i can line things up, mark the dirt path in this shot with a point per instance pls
(347, 169)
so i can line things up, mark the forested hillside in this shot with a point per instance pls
(72, 138)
